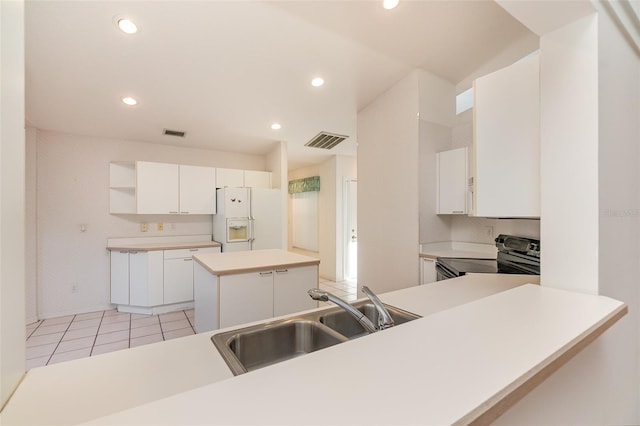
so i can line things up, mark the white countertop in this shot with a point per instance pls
(172, 242)
(458, 250)
(164, 246)
(439, 368)
(251, 261)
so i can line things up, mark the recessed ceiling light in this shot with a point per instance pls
(129, 101)
(317, 82)
(276, 126)
(390, 4)
(127, 26)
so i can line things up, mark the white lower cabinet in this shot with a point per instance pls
(148, 279)
(136, 278)
(428, 272)
(178, 280)
(246, 297)
(289, 293)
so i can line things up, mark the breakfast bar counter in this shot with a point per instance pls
(483, 342)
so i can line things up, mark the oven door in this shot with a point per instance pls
(443, 272)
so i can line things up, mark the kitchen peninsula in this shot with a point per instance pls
(484, 341)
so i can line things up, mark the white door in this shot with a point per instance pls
(351, 229)
(266, 213)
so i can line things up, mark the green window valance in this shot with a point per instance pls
(308, 184)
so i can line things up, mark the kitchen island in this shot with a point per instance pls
(243, 286)
(483, 340)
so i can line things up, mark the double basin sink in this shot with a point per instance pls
(260, 345)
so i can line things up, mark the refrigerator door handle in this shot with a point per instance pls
(251, 230)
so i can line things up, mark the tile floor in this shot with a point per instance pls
(79, 336)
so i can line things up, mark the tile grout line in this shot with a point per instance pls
(95, 338)
(60, 341)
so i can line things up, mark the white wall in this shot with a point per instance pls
(72, 189)
(276, 161)
(31, 234)
(388, 217)
(12, 198)
(569, 147)
(601, 384)
(437, 115)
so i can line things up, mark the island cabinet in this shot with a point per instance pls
(252, 287)
(505, 166)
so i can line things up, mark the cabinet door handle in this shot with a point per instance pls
(124, 251)
(193, 249)
(187, 260)
(282, 271)
(458, 211)
(133, 252)
(264, 274)
(184, 212)
(173, 212)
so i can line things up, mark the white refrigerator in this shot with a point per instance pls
(248, 219)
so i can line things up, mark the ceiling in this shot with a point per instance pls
(224, 71)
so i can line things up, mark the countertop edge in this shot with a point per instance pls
(503, 401)
(164, 246)
(261, 268)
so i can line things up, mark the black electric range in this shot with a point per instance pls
(516, 255)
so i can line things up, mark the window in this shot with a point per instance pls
(464, 101)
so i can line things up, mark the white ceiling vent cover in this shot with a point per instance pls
(325, 140)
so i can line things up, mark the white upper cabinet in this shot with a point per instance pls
(237, 178)
(157, 188)
(506, 144)
(452, 175)
(257, 179)
(197, 190)
(229, 177)
(142, 187)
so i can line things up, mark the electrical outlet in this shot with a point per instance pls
(144, 227)
(488, 231)
(160, 226)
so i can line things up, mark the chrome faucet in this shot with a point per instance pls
(384, 318)
(325, 296)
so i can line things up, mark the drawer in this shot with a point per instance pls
(184, 253)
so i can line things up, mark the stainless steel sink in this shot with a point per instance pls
(255, 347)
(258, 346)
(348, 326)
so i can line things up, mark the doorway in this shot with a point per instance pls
(350, 253)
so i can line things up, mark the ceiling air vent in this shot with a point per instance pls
(325, 140)
(177, 133)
